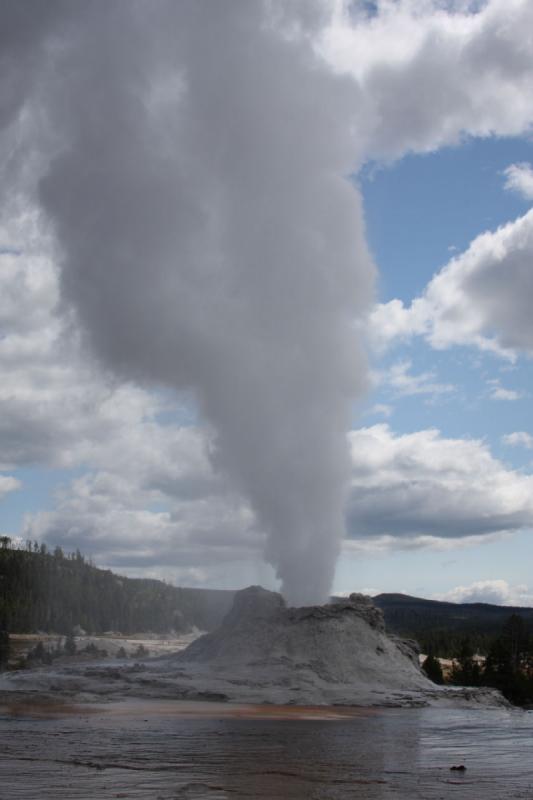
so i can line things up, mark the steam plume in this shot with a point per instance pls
(210, 238)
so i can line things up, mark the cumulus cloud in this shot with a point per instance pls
(518, 439)
(498, 592)
(57, 408)
(519, 178)
(159, 503)
(481, 298)
(432, 73)
(115, 518)
(422, 487)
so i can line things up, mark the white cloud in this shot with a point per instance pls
(421, 489)
(498, 592)
(111, 516)
(383, 409)
(385, 544)
(519, 178)
(404, 383)
(518, 439)
(431, 73)
(58, 408)
(481, 298)
(8, 484)
(499, 392)
(394, 321)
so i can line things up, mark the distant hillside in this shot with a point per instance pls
(405, 614)
(443, 626)
(53, 592)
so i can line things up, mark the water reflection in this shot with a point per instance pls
(166, 751)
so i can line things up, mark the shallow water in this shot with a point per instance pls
(156, 750)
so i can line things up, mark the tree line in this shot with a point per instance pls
(54, 592)
(441, 627)
(508, 665)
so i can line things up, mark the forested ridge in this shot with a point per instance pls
(442, 627)
(53, 592)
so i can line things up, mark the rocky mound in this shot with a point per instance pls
(264, 652)
(342, 644)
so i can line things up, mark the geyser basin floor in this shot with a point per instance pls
(154, 749)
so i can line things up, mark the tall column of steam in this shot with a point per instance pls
(210, 239)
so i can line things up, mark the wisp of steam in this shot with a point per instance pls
(194, 163)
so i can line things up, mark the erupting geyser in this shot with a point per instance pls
(193, 160)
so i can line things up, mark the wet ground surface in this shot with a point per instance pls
(162, 750)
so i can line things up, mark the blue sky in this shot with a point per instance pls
(420, 212)
(165, 296)
(419, 208)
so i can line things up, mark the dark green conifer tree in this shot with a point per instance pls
(433, 669)
(70, 644)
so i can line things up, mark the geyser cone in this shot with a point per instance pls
(338, 652)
